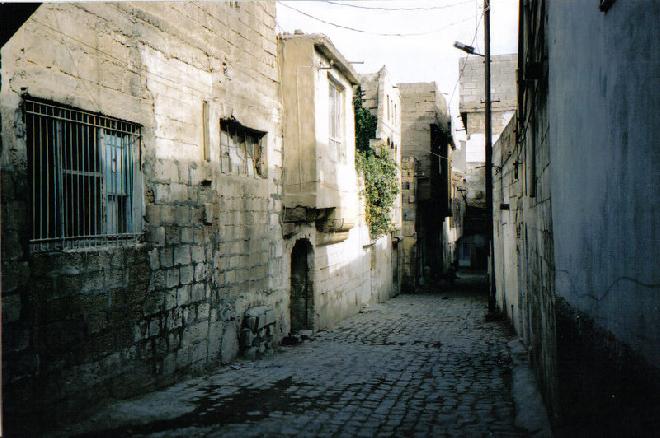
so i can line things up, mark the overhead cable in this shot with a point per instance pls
(353, 29)
(377, 8)
(460, 74)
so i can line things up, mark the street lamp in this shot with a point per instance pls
(470, 50)
(488, 146)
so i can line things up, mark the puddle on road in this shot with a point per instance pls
(245, 406)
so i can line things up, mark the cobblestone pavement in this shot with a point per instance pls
(418, 365)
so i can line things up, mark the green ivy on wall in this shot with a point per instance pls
(365, 123)
(381, 184)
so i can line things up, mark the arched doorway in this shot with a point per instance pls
(302, 292)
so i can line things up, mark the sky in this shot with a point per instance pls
(425, 57)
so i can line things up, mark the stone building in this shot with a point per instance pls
(323, 209)
(150, 205)
(141, 192)
(426, 139)
(576, 201)
(381, 98)
(408, 219)
(474, 247)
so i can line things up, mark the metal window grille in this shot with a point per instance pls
(83, 169)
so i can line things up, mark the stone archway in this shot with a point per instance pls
(302, 291)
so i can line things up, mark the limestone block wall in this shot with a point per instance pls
(475, 177)
(507, 214)
(83, 325)
(408, 217)
(421, 106)
(319, 171)
(337, 178)
(349, 269)
(502, 79)
(536, 274)
(452, 227)
(348, 273)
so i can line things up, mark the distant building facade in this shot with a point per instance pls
(474, 248)
(426, 142)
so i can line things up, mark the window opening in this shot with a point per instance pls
(241, 149)
(83, 168)
(336, 133)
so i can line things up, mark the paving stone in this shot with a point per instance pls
(438, 378)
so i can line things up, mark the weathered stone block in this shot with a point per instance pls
(187, 235)
(167, 215)
(186, 274)
(156, 235)
(198, 292)
(203, 311)
(197, 252)
(154, 259)
(200, 272)
(172, 278)
(182, 255)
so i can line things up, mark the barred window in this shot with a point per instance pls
(83, 169)
(241, 149)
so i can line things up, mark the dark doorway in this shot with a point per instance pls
(302, 292)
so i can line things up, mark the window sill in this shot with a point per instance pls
(101, 243)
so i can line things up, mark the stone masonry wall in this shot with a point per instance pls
(409, 212)
(530, 207)
(81, 326)
(507, 196)
(502, 80)
(348, 271)
(421, 106)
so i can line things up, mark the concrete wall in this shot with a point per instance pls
(581, 183)
(605, 157)
(83, 325)
(607, 175)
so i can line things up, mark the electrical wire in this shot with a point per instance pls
(377, 8)
(353, 29)
(460, 74)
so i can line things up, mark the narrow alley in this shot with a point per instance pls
(420, 364)
(330, 218)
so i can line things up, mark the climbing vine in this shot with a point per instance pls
(365, 123)
(379, 170)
